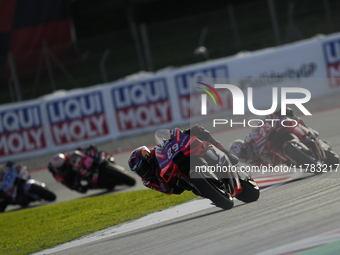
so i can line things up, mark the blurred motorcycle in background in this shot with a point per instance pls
(88, 168)
(17, 187)
(298, 145)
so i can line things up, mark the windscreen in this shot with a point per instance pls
(162, 136)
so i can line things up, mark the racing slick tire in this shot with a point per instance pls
(43, 192)
(250, 191)
(211, 186)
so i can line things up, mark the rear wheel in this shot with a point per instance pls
(250, 191)
(42, 192)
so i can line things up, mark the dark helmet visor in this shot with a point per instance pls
(143, 168)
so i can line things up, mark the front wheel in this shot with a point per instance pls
(116, 173)
(332, 159)
(42, 192)
(293, 151)
(213, 188)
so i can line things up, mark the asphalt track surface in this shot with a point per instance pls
(283, 215)
(296, 210)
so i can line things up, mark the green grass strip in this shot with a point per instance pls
(34, 229)
(328, 249)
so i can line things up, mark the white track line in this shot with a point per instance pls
(308, 243)
(148, 220)
(151, 219)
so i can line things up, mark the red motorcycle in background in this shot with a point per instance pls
(87, 168)
(283, 142)
(100, 172)
(186, 158)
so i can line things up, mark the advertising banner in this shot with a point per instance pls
(141, 105)
(76, 118)
(21, 129)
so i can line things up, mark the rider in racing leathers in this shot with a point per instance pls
(68, 173)
(144, 163)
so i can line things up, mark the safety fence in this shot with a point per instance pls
(66, 119)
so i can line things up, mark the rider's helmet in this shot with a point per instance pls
(201, 53)
(59, 162)
(241, 150)
(140, 162)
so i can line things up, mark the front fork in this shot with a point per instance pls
(308, 141)
(317, 145)
(230, 177)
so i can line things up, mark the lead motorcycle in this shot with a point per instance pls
(286, 141)
(18, 188)
(189, 159)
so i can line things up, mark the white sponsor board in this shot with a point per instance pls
(142, 105)
(299, 65)
(76, 118)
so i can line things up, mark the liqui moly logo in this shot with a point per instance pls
(77, 118)
(21, 130)
(238, 101)
(142, 104)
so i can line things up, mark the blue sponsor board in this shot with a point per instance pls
(331, 50)
(21, 130)
(142, 104)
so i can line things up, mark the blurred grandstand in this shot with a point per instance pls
(82, 43)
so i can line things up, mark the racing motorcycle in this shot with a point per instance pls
(186, 158)
(98, 170)
(289, 142)
(18, 188)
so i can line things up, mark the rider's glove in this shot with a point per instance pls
(233, 159)
(82, 189)
(199, 132)
(289, 113)
(9, 163)
(3, 195)
(51, 169)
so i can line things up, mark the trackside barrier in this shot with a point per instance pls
(63, 120)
